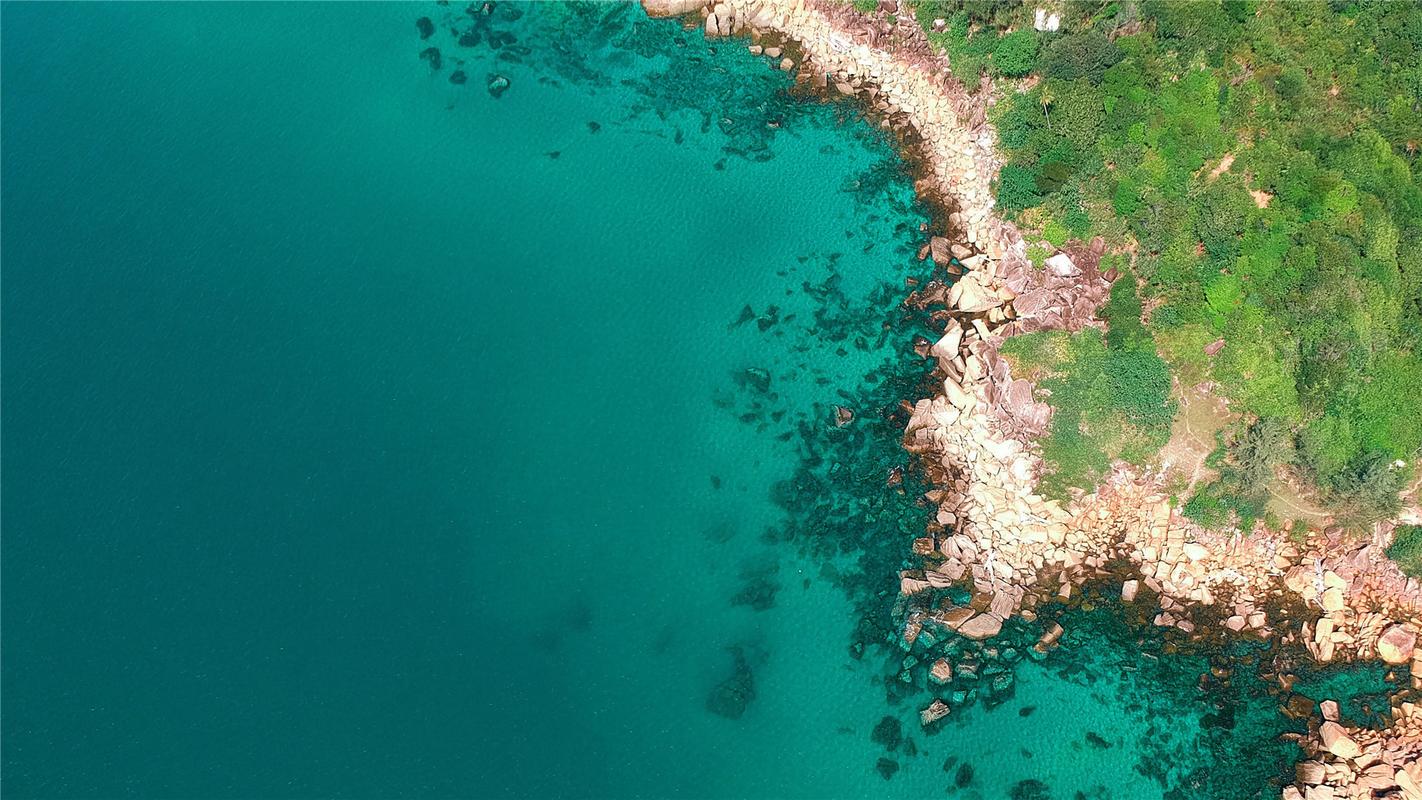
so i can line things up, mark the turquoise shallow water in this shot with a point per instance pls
(369, 435)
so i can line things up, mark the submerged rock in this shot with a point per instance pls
(964, 778)
(731, 697)
(431, 54)
(497, 85)
(935, 711)
(1030, 789)
(889, 733)
(756, 378)
(425, 27)
(887, 767)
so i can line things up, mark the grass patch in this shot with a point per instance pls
(1108, 404)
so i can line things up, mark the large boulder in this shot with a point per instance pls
(941, 251)
(1396, 644)
(1337, 741)
(981, 627)
(947, 346)
(970, 296)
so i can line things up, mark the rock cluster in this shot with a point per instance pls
(1333, 596)
(1347, 762)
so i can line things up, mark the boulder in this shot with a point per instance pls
(942, 671)
(941, 250)
(947, 346)
(981, 627)
(961, 398)
(1129, 589)
(1062, 266)
(1337, 741)
(1310, 773)
(1396, 644)
(955, 616)
(936, 710)
(1332, 600)
(1330, 710)
(670, 8)
(972, 297)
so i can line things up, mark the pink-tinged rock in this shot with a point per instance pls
(913, 585)
(1329, 709)
(981, 627)
(1310, 773)
(1396, 644)
(972, 296)
(942, 671)
(936, 710)
(1129, 589)
(947, 346)
(1214, 347)
(941, 250)
(1337, 741)
(954, 617)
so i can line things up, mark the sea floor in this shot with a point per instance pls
(374, 432)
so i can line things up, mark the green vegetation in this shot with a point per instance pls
(1406, 549)
(1246, 466)
(1259, 162)
(1110, 394)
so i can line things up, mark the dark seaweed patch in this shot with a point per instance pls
(731, 697)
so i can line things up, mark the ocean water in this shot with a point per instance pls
(373, 434)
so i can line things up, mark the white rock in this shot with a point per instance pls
(1062, 266)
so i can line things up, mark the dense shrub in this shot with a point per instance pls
(1406, 549)
(1083, 55)
(1016, 53)
(1017, 188)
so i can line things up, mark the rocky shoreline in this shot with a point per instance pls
(1333, 596)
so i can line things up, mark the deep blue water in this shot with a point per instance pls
(368, 435)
